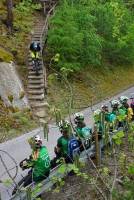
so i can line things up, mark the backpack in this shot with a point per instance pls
(86, 132)
(73, 147)
(112, 117)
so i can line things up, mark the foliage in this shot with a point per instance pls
(85, 33)
(128, 193)
(11, 118)
(73, 35)
(118, 137)
(115, 25)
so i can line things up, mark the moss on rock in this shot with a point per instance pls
(5, 56)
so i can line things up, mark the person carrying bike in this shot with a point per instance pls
(34, 52)
(39, 161)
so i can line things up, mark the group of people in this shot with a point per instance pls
(74, 140)
(120, 115)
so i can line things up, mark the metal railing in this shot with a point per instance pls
(43, 36)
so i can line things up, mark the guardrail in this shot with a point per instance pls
(42, 41)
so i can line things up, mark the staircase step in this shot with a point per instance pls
(31, 63)
(31, 72)
(39, 86)
(40, 26)
(35, 76)
(38, 33)
(40, 81)
(36, 39)
(34, 92)
(30, 67)
(36, 97)
(38, 105)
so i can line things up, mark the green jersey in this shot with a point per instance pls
(41, 165)
(62, 143)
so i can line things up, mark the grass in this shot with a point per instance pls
(91, 84)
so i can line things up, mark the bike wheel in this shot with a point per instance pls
(36, 68)
(20, 183)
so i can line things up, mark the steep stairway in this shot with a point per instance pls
(36, 84)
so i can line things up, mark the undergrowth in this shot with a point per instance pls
(14, 121)
(24, 19)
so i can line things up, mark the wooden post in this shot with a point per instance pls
(97, 147)
(44, 7)
(28, 193)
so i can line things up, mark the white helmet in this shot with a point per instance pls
(78, 117)
(64, 125)
(97, 112)
(115, 103)
(123, 99)
(104, 107)
(38, 140)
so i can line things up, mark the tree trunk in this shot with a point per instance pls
(9, 15)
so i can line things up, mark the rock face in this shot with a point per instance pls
(10, 84)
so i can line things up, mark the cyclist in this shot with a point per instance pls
(39, 160)
(125, 106)
(82, 131)
(34, 51)
(66, 144)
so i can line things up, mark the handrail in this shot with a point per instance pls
(43, 34)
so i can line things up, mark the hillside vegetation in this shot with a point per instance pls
(17, 41)
(95, 47)
(91, 32)
(14, 47)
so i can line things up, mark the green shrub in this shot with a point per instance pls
(73, 36)
(87, 32)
